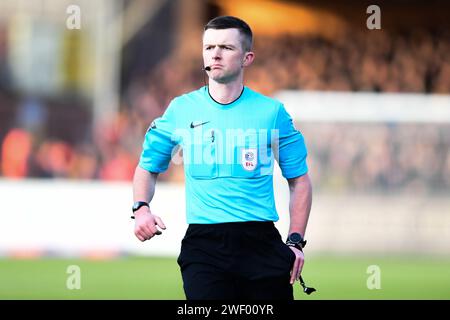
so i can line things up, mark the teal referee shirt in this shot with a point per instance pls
(228, 153)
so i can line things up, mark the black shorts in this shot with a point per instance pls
(238, 260)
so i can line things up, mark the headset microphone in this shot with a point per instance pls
(207, 68)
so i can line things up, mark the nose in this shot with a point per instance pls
(216, 55)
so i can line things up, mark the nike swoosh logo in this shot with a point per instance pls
(198, 124)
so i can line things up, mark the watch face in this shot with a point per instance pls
(295, 237)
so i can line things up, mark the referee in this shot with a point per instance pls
(230, 136)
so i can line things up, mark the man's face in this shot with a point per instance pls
(223, 52)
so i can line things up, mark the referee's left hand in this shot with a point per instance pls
(298, 264)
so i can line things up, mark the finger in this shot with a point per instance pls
(300, 268)
(294, 271)
(147, 232)
(152, 234)
(160, 223)
(143, 230)
(139, 236)
(145, 235)
(152, 228)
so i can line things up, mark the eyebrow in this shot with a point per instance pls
(220, 45)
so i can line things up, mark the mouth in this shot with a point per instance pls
(216, 66)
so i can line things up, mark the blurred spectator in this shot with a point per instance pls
(119, 165)
(16, 148)
(52, 160)
(84, 163)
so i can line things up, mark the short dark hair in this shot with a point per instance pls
(229, 22)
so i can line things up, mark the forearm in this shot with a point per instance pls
(144, 183)
(300, 189)
(146, 223)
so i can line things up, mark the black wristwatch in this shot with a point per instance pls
(296, 240)
(137, 205)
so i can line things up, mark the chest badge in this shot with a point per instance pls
(249, 158)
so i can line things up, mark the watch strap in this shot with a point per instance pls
(295, 245)
(137, 205)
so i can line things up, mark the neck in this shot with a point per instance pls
(225, 92)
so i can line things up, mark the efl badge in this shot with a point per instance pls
(249, 159)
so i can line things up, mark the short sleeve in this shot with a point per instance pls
(159, 142)
(289, 146)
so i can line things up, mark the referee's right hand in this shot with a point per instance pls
(145, 224)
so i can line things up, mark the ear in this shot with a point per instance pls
(248, 59)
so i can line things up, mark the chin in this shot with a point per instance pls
(224, 78)
(220, 79)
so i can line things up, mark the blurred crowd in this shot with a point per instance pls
(415, 60)
(106, 153)
(382, 157)
(376, 156)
